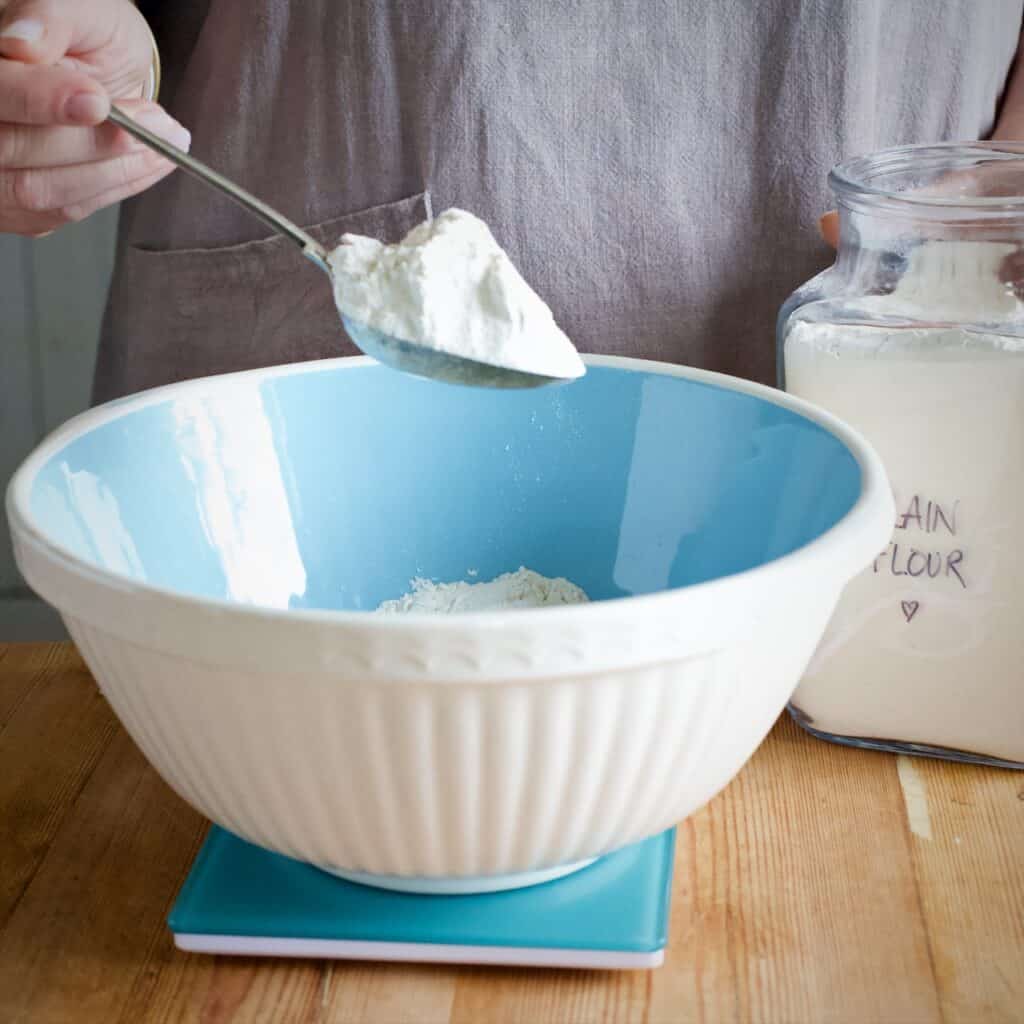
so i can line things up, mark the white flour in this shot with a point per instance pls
(925, 646)
(449, 286)
(521, 589)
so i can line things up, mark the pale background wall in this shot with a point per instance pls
(52, 293)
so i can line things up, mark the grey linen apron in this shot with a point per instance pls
(655, 168)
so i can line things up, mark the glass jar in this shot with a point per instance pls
(915, 337)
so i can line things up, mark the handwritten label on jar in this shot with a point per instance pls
(934, 555)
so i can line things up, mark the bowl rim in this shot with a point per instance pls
(857, 532)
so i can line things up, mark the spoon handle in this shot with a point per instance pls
(310, 247)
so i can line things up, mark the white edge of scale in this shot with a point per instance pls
(413, 952)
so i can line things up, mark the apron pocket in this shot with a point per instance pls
(183, 313)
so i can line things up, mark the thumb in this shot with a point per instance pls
(43, 31)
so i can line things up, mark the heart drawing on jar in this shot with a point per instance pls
(909, 609)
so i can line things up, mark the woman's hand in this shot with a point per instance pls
(61, 64)
(828, 225)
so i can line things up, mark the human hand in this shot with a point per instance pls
(828, 225)
(989, 180)
(61, 64)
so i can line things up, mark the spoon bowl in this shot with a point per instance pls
(443, 366)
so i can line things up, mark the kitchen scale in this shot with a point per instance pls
(241, 899)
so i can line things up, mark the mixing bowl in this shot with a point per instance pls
(216, 548)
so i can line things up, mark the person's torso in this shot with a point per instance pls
(656, 169)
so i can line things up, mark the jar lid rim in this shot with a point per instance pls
(852, 179)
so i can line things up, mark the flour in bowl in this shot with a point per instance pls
(450, 287)
(523, 588)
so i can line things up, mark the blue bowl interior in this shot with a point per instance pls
(331, 488)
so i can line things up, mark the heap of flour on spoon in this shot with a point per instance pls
(450, 287)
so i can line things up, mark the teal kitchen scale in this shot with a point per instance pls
(241, 899)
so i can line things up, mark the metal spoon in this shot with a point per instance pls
(394, 352)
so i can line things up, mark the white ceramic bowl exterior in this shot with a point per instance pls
(464, 747)
(454, 778)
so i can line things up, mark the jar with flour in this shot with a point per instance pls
(915, 336)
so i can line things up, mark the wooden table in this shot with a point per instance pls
(824, 885)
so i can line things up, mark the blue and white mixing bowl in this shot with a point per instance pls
(216, 547)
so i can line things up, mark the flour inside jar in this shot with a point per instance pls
(924, 647)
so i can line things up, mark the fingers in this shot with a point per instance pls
(79, 211)
(828, 225)
(42, 186)
(36, 32)
(1011, 272)
(36, 223)
(59, 158)
(25, 146)
(42, 31)
(31, 94)
(40, 190)
(46, 48)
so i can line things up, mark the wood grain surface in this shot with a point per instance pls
(823, 885)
